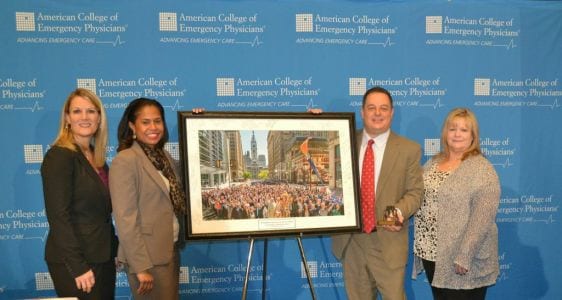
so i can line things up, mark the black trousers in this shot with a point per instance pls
(65, 286)
(450, 294)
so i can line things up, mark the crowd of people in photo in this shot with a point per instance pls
(260, 200)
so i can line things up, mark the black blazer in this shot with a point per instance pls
(78, 208)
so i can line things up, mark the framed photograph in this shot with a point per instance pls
(260, 174)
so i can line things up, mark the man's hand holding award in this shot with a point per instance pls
(392, 220)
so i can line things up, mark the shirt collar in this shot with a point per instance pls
(380, 140)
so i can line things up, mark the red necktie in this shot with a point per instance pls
(368, 189)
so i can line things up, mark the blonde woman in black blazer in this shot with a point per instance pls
(81, 245)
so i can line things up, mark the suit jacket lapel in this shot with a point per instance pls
(150, 169)
(391, 154)
(93, 173)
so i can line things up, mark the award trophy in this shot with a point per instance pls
(390, 217)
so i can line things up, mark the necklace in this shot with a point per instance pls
(89, 157)
(88, 154)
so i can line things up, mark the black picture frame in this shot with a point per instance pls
(305, 183)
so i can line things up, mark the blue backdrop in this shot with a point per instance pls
(500, 58)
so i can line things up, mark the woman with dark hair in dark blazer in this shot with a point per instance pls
(81, 245)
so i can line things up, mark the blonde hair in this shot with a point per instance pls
(65, 137)
(470, 118)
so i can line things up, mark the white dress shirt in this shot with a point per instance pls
(378, 147)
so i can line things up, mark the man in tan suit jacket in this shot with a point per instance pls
(375, 262)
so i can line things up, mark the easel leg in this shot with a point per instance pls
(305, 263)
(250, 251)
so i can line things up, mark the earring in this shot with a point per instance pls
(67, 126)
(134, 136)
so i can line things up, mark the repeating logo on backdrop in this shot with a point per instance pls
(357, 86)
(117, 93)
(531, 93)
(33, 154)
(275, 92)
(43, 281)
(431, 147)
(499, 150)
(218, 278)
(81, 28)
(225, 87)
(541, 208)
(463, 31)
(482, 87)
(184, 275)
(506, 266)
(33, 157)
(304, 22)
(222, 29)
(25, 21)
(410, 91)
(87, 83)
(21, 94)
(312, 269)
(325, 274)
(174, 149)
(168, 21)
(433, 24)
(358, 30)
